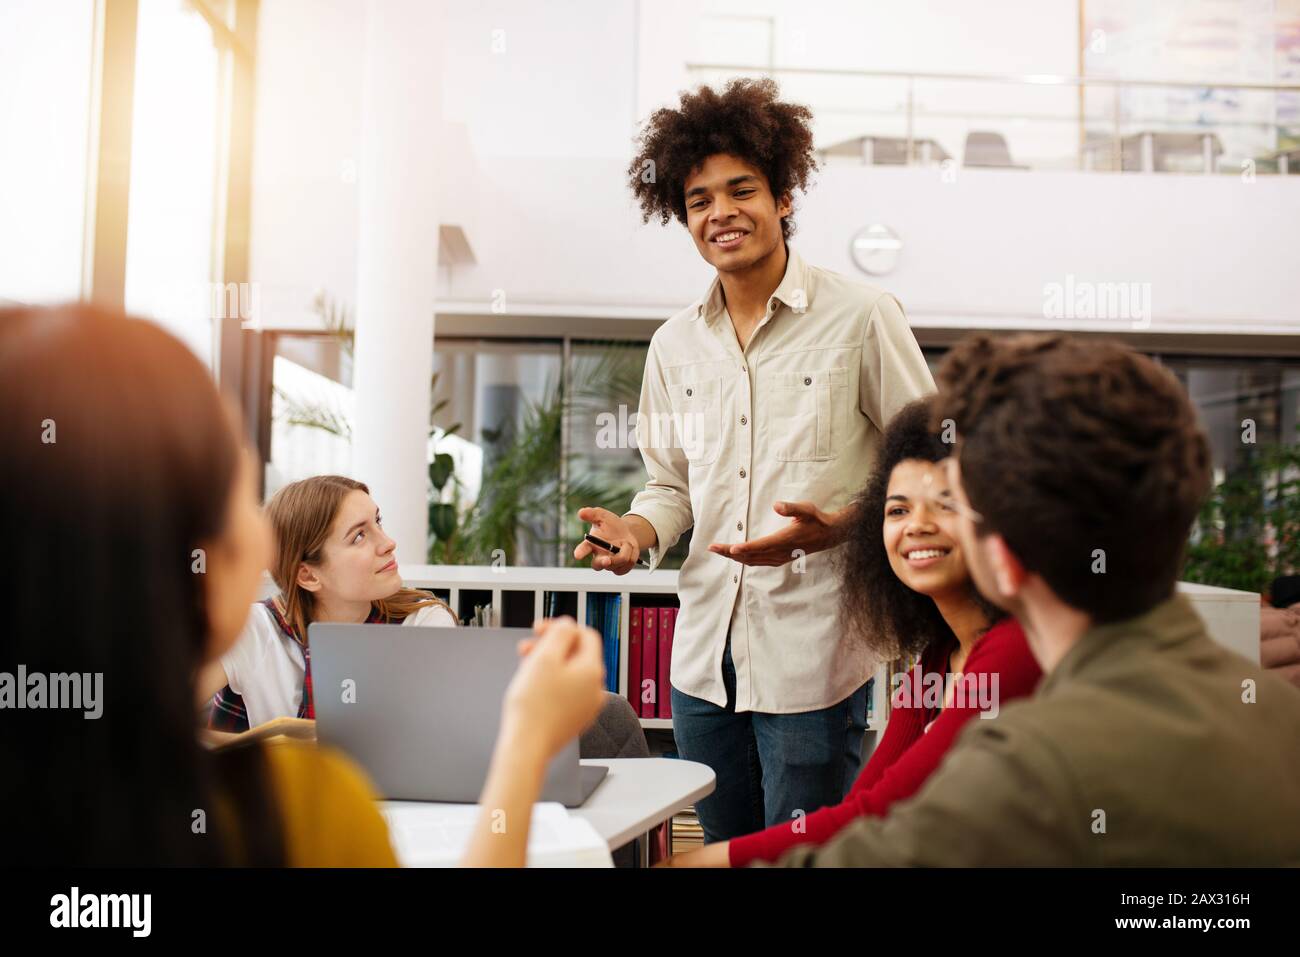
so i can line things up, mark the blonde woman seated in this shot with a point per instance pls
(333, 562)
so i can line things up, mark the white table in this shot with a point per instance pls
(640, 793)
(1231, 617)
(635, 796)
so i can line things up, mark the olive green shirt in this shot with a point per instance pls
(1148, 744)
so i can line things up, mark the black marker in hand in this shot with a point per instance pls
(601, 543)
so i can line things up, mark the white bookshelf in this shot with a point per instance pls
(457, 578)
(580, 582)
(1231, 617)
(452, 581)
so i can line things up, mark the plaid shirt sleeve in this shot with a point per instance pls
(227, 712)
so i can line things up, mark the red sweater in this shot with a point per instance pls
(908, 753)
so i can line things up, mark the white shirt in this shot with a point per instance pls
(796, 416)
(266, 667)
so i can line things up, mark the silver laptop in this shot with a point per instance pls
(419, 708)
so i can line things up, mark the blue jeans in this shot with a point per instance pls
(769, 766)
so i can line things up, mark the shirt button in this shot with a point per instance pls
(744, 421)
(740, 527)
(742, 473)
(806, 381)
(688, 391)
(735, 578)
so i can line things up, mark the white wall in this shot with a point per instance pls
(542, 79)
(1217, 252)
(537, 178)
(546, 85)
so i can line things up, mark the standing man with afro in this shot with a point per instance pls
(777, 385)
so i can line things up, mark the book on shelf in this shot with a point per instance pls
(634, 658)
(685, 833)
(899, 666)
(482, 617)
(603, 609)
(650, 646)
(557, 603)
(648, 705)
(667, 623)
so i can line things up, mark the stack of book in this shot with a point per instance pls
(650, 653)
(603, 615)
(901, 666)
(687, 835)
(482, 617)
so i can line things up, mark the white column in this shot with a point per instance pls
(397, 259)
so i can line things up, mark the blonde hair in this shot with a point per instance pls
(301, 515)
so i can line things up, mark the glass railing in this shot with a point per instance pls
(1041, 121)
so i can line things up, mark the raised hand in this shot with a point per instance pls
(615, 530)
(810, 530)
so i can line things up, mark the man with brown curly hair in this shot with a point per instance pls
(1079, 468)
(761, 410)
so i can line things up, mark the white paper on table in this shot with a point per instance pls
(425, 834)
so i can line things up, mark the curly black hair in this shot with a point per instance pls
(875, 605)
(747, 120)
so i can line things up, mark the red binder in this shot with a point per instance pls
(634, 659)
(667, 624)
(649, 662)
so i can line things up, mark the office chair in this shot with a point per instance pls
(617, 733)
(984, 148)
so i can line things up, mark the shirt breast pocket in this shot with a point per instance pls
(697, 409)
(807, 410)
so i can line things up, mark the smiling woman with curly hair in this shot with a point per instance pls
(880, 601)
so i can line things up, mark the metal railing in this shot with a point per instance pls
(888, 108)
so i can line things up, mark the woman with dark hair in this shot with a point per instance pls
(906, 591)
(127, 484)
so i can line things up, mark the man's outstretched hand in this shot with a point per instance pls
(615, 530)
(810, 530)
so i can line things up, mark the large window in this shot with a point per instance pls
(605, 464)
(124, 142)
(507, 400)
(532, 430)
(170, 236)
(605, 386)
(1243, 404)
(535, 428)
(45, 79)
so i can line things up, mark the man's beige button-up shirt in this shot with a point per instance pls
(725, 434)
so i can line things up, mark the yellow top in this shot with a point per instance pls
(327, 807)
